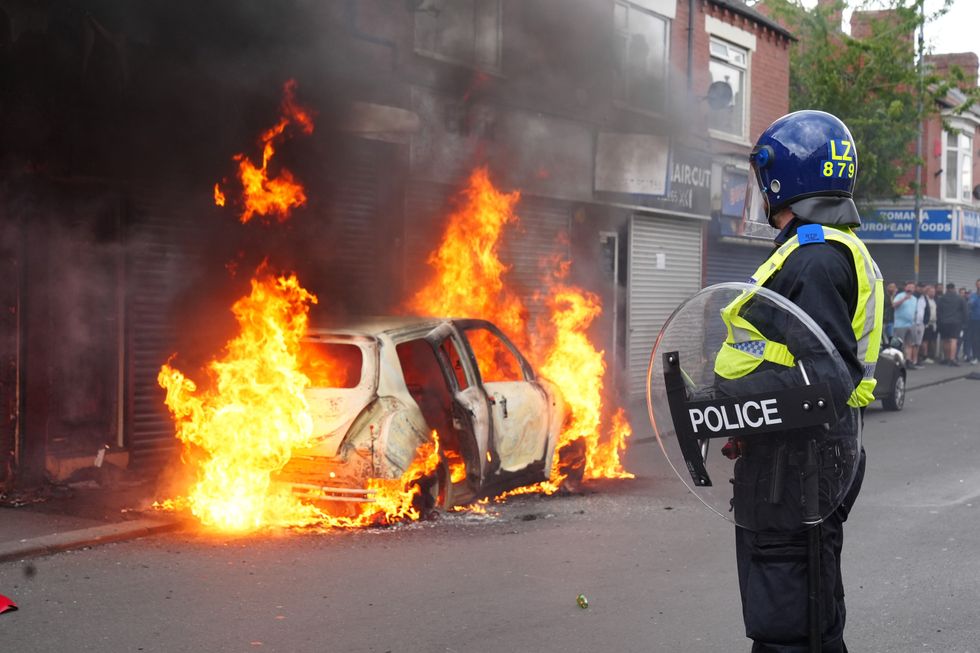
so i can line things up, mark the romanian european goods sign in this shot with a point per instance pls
(898, 225)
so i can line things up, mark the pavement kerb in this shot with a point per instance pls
(78, 539)
(947, 379)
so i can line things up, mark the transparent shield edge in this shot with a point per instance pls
(785, 305)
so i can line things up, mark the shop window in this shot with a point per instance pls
(729, 65)
(958, 169)
(462, 31)
(641, 56)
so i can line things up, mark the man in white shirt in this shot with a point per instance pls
(927, 352)
(918, 325)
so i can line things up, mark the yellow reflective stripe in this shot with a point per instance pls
(868, 314)
(866, 322)
(777, 352)
(731, 363)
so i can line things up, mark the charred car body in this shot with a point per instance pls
(384, 385)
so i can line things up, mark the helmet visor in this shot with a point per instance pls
(755, 214)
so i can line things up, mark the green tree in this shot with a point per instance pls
(871, 83)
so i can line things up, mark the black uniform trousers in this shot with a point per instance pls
(772, 578)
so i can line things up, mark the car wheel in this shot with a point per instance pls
(444, 486)
(896, 400)
(435, 491)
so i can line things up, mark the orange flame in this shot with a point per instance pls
(469, 280)
(468, 275)
(272, 196)
(574, 364)
(243, 429)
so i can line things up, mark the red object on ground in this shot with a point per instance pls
(6, 605)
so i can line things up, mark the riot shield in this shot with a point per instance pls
(748, 399)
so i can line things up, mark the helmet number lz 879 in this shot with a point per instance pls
(841, 162)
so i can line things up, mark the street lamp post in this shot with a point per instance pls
(917, 218)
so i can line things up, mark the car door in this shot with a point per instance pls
(518, 405)
(470, 408)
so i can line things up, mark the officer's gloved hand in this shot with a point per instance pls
(703, 393)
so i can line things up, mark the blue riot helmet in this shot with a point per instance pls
(806, 160)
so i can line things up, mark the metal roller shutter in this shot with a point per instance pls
(357, 227)
(664, 270)
(10, 337)
(426, 208)
(728, 261)
(156, 262)
(962, 267)
(540, 237)
(896, 262)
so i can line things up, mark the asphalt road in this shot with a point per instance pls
(657, 568)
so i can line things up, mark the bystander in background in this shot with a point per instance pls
(905, 313)
(951, 316)
(889, 314)
(927, 350)
(973, 326)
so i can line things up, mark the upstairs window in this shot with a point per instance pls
(729, 65)
(461, 31)
(958, 171)
(641, 56)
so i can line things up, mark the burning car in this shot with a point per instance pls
(380, 388)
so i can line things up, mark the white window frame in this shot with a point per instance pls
(722, 31)
(476, 63)
(966, 130)
(662, 10)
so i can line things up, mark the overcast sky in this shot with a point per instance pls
(957, 31)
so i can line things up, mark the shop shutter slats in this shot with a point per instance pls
(655, 293)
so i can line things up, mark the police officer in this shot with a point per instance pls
(804, 166)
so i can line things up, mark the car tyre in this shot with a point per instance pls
(435, 491)
(444, 486)
(896, 400)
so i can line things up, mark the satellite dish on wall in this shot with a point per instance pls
(976, 192)
(719, 95)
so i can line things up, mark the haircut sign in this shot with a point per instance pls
(782, 434)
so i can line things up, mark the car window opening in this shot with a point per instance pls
(452, 355)
(495, 358)
(331, 364)
(427, 385)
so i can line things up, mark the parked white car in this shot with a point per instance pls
(395, 380)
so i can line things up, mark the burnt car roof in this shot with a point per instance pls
(375, 325)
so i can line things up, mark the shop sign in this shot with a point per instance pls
(639, 169)
(898, 225)
(970, 227)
